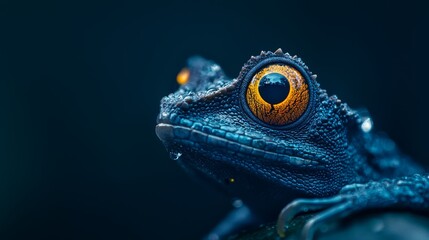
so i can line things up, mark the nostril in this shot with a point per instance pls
(188, 99)
(182, 105)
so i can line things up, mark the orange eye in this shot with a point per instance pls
(278, 94)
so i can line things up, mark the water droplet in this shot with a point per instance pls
(175, 155)
(366, 125)
(237, 203)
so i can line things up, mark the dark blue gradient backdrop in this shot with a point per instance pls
(80, 85)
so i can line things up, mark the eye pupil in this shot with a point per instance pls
(274, 88)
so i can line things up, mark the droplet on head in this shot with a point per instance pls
(175, 155)
(366, 125)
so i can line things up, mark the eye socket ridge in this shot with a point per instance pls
(277, 93)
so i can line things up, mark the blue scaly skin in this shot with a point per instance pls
(328, 158)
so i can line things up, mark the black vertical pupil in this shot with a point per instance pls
(274, 88)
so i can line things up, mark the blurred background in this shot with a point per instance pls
(80, 85)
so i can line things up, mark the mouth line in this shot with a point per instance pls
(193, 137)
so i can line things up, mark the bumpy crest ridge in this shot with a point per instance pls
(254, 60)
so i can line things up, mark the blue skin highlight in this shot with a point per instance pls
(326, 161)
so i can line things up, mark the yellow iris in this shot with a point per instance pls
(287, 111)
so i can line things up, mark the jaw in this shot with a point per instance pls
(265, 196)
(264, 183)
(209, 163)
(222, 158)
(238, 175)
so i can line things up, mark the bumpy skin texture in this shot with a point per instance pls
(327, 156)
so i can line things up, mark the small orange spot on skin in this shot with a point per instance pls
(183, 76)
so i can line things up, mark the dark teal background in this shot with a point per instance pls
(80, 85)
